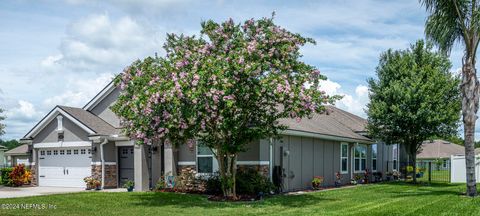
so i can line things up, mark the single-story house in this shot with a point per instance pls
(71, 143)
(19, 155)
(438, 152)
(3, 160)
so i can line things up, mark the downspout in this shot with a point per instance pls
(105, 141)
(270, 163)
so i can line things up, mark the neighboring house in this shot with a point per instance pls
(18, 155)
(3, 159)
(71, 143)
(439, 152)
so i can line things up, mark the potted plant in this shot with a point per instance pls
(129, 185)
(396, 175)
(356, 179)
(89, 182)
(97, 184)
(338, 179)
(366, 176)
(317, 182)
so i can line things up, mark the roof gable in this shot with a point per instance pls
(100, 96)
(50, 117)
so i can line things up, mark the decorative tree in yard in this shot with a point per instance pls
(414, 98)
(226, 88)
(452, 21)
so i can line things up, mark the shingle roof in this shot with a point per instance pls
(335, 122)
(90, 120)
(2, 147)
(440, 149)
(23, 149)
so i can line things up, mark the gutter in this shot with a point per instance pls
(324, 136)
(105, 141)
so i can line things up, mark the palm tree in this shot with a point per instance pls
(449, 22)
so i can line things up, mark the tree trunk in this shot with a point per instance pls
(414, 160)
(469, 109)
(227, 164)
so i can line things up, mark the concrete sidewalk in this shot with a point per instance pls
(10, 192)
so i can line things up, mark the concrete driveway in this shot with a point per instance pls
(10, 192)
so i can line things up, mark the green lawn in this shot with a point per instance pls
(374, 199)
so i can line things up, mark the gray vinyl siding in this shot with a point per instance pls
(71, 132)
(254, 152)
(109, 152)
(186, 154)
(102, 109)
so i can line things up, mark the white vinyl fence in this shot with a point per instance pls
(458, 172)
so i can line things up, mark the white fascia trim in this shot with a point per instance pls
(62, 144)
(50, 117)
(106, 163)
(100, 96)
(186, 163)
(124, 143)
(322, 136)
(253, 162)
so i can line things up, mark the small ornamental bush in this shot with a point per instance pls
(19, 176)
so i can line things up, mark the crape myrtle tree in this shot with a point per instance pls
(226, 88)
(413, 98)
(449, 22)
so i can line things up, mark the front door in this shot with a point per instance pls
(125, 163)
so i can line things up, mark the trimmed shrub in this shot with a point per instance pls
(213, 185)
(251, 182)
(5, 173)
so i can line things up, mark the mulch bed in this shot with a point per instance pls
(240, 198)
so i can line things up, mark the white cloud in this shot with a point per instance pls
(80, 91)
(100, 43)
(352, 103)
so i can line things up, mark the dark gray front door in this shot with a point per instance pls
(125, 158)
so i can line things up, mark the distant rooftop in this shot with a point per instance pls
(439, 149)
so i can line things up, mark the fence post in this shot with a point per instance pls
(429, 172)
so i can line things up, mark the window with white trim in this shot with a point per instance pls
(82, 151)
(360, 161)
(344, 158)
(49, 152)
(75, 151)
(395, 157)
(42, 152)
(55, 152)
(62, 152)
(374, 157)
(204, 159)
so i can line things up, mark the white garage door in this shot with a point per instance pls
(64, 167)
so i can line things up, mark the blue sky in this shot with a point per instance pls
(64, 52)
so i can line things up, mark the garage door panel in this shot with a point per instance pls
(77, 172)
(64, 167)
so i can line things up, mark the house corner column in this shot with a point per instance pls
(141, 174)
(169, 160)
